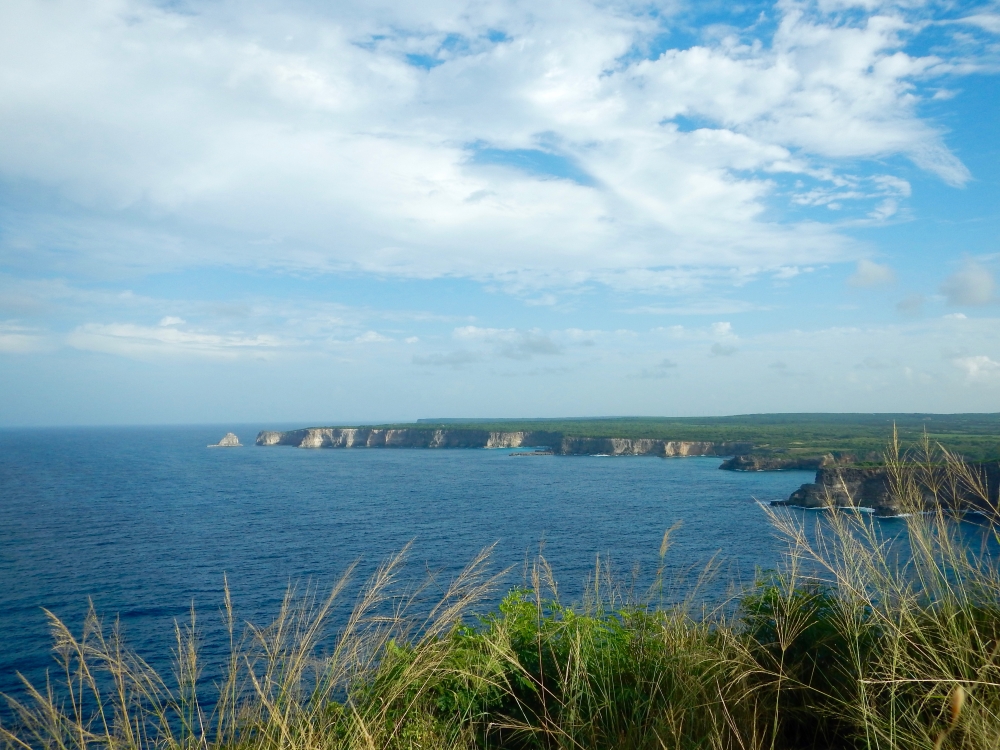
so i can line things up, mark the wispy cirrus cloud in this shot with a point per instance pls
(141, 342)
(20, 339)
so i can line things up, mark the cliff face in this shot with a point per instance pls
(846, 487)
(758, 462)
(581, 446)
(766, 460)
(370, 437)
(229, 441)
(365, 437)
(870, 488)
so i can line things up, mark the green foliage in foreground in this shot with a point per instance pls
(867, 651)
(975, 436)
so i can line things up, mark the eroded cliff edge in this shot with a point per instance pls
(869, 488)
(376, 437)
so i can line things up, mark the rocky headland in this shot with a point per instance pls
(757, 462)
(556, 442)
(771, 460)
(870, 488)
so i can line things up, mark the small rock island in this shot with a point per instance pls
(229, 441)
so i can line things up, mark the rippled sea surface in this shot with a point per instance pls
(146, 521)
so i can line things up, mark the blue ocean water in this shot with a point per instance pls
(146, 521)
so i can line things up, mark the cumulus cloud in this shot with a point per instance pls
(869, 274)
(973, 285)
(526, 144)
(979, 367)
(509, 342)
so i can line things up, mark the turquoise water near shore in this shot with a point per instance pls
(145, 522)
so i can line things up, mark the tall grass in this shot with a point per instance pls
(860, 639)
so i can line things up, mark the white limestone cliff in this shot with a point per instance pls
(229, 441)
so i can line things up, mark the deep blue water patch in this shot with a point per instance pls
(147, 521)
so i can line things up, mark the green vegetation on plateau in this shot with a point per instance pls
(975, 436)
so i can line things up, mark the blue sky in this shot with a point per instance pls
(321, 213)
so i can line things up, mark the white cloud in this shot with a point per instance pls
(869, 273)
(699, 306)
(372, 337)
(18, 339)
(722, 329)
(986, 21)
(142, 342)
(973, 285)
(509, 342)
(979, 367)
(303, 139)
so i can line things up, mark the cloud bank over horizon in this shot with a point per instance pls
(461, 187)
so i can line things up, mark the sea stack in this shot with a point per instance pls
(229, 441)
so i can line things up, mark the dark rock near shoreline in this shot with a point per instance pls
(846, 487)
(871, 488)
(779, 460)
(758, 462)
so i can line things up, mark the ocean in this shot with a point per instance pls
(146, 522)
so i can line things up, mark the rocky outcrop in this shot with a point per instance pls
(229, 441)
(759, 462)
(871, 488)
(376, 437)
(780, 460)
(588, 446)
(846, 487)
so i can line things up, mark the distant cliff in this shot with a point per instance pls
(376, 437)
(870, 488)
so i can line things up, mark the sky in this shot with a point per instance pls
(362, 212)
